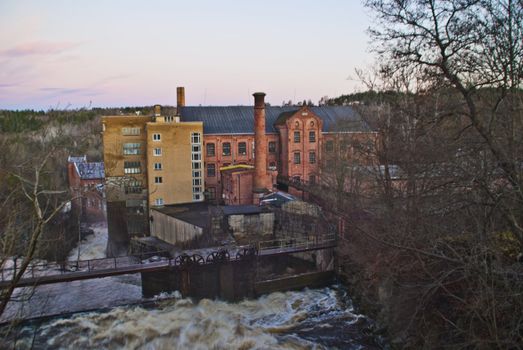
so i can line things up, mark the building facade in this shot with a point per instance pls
(194, 155)
(86, 181)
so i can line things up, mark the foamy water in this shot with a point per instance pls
(310, 319)
(93, 246)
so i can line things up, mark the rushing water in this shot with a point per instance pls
(309, 319)
(93, 246)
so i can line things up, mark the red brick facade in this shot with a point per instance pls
(87, 193)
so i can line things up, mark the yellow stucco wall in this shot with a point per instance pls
(114, 157)
(176, 162)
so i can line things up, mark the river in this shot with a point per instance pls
(310, 319)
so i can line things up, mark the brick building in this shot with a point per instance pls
(240, 151)
(86, 181)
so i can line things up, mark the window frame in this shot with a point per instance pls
(272, 147)
(312, 157)
(228, 154)
(209, 166)
(297, 137)
(297, 158)
(243, 145)
(210, 149)
(312, 136)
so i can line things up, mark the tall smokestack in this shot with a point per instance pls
(180, 96)
(260, 144)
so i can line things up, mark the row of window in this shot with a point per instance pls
(297, 157)
(196, 161)
(312, 136)
(135, 148)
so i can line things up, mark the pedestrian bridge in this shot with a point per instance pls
(47, 273)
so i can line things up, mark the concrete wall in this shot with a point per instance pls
(228, 281)
(172, 230)
(251, 226)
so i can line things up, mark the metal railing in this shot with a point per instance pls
(309, 242)
(163, 259)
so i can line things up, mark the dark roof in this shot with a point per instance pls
(277, 199)
(241, 209)
(88, 171)
(240, 119)
(196, 213)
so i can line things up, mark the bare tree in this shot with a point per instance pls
(45, 205)
(476, 48)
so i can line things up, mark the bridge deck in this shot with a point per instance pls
(39, 274)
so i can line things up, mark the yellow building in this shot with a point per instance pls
(150, 161)
(174, 162)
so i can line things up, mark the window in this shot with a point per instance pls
(210, 150)
(312, 157)
(158, 180)
(211, 170)
(226, 149)
(297, 158)
(156, 137)
(196, 165)
(196, 182)
(195, 137)
(242, 148)
(196, 173)
(196, 156)
(329, 146)
(157, 151)
(196, 189)
(196, 196)
(130, 131)
(211, 193)
(133, 187)
(131, 168)
(272, 147)
(157, 166)
(132, 148)
(158, 201)
(296, 137)
(312, 136)
(312, 179)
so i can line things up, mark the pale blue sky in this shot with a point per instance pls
(121, 53)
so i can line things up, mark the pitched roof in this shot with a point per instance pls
(77, 159)
(240, 119)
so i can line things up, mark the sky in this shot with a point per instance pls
(110, 53)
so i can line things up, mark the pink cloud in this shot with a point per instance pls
(38, 48)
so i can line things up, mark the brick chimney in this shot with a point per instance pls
(180, 96)
(260, 148)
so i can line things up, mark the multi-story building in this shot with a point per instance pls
(161, 160)
(86, 186)
(150, 161)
